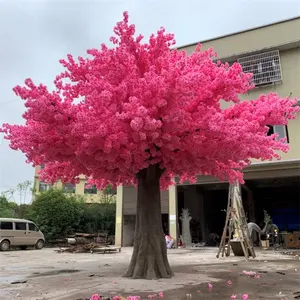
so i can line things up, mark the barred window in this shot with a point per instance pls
(265, 67)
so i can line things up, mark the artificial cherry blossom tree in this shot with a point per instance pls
(141, 113)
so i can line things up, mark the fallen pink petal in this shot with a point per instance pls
(229, 282)
(95, 297)
(245, 296)
(210, 286)
(233, 296)
(133, 298)
(161, 295)
(249, 273)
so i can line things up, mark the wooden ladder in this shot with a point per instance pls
(236, 221)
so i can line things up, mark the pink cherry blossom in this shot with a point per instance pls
(161, 295)
(136, 104)
(229, 282)
(245, 296)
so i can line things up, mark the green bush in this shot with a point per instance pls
(56, 214)
(98, 217)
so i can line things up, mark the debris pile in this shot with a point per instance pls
(80, 248)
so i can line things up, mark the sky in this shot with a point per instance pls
(35, 34)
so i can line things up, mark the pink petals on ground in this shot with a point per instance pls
(229, 282)
(233, 297)
(210, 286)
(95, 297)
(249, 273)
(245, 297)
(155, 296)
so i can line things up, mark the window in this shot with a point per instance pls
(265, 67)
(69, 188)
(44, 187)
(6, 225)
(90, 190)
(20, 226)
(281, 130)
(32, 227)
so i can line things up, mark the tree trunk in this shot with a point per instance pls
(149, 259)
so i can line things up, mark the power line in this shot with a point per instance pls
(7, 102)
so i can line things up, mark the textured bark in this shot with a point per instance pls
(149, 259)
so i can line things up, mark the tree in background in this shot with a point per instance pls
(108, 195)
(56, 214)
(8, 209)
(21, 190)
(140, 113)
(99, 216)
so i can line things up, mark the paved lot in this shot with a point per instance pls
(50, 275)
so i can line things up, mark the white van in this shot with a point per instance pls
(18, 232)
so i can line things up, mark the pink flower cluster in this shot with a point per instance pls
(137, 104)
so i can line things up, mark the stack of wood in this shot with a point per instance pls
(80, 248)
(87, 238)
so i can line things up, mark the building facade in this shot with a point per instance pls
(272, 54)
(91, 194)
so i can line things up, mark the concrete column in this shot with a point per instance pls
(119, 216)
(173, 218)
(234, 206)
(58, 185)
(202, 217)
(79, 188)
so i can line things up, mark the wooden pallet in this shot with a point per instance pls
(107, 249)
(236, 222)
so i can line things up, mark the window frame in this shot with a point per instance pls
(69, 190)
(12, 225)
(90, 191)
(17, 222)
(47, 186)
(265, 67)
(285, 129)
(36, 228)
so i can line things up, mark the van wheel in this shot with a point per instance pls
(39, 244)
(23, 247)
(5, 245)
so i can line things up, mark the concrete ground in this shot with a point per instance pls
(49, 275)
